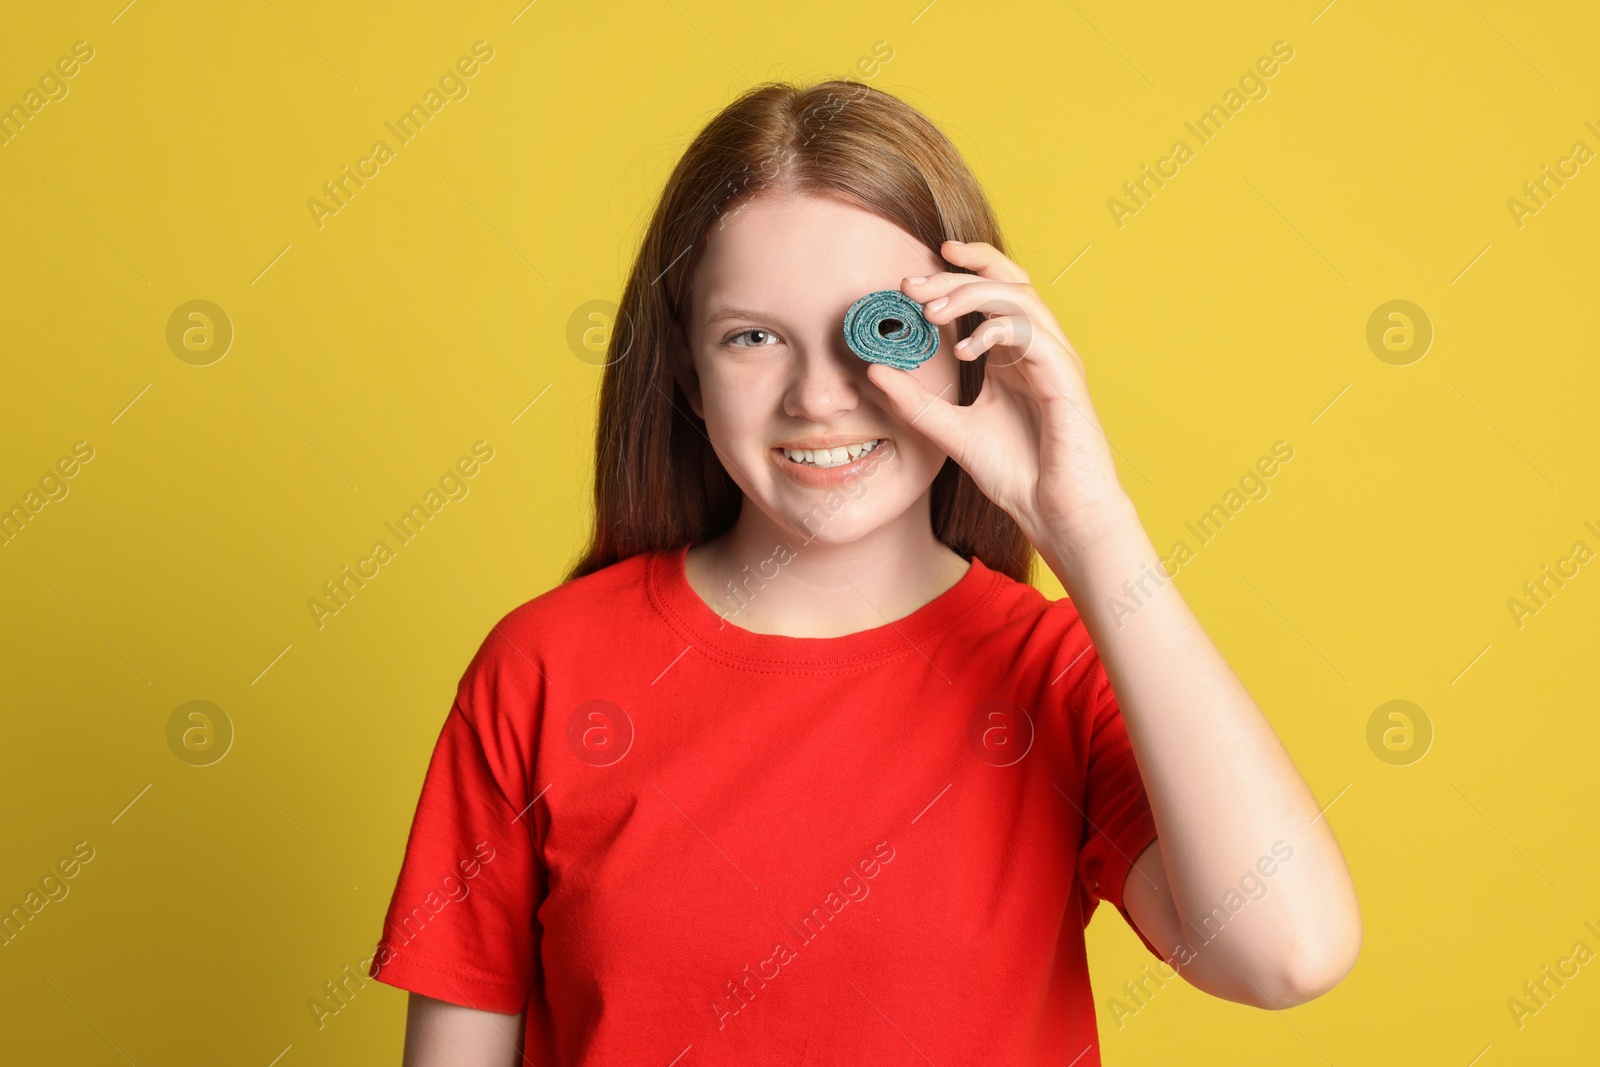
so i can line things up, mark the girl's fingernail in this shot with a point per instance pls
(916, 281)
(939, 303)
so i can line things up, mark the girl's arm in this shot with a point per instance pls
(1228, 802)
(441, 1034)
(1222, 789)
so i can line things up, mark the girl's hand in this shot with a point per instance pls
(1031, 440)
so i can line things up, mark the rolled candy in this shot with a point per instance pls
(887, 327)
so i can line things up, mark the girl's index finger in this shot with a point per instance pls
(922, 290)
(984, 258)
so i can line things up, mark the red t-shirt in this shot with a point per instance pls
(673, 840)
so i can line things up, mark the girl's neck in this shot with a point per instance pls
(819, 589)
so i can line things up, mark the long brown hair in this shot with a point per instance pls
(658, 483)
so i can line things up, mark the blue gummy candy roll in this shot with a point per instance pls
(887, 327)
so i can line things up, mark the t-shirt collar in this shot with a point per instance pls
(722, 638)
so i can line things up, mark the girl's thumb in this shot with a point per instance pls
(934, 416)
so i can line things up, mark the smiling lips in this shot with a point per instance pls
(834, 465)
(826, 458)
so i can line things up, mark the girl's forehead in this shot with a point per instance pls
(758, 226)
(799, 251)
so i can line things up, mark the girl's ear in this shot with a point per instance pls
(683, 372)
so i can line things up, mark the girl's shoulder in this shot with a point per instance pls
(1025, 604)
(568, 628)
(601, 603)
(1044, 639)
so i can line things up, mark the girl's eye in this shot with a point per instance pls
(728, 342)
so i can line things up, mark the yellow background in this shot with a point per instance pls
(368, 355)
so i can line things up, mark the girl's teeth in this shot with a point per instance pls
(830, 457)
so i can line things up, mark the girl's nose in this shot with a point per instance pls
(825, 381)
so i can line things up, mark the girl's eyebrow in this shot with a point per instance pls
(733, 313)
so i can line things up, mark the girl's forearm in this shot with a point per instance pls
(1221, 786)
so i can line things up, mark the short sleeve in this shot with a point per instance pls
(462, 924)
(1117, 810)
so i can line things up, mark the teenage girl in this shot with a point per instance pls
(797, 767)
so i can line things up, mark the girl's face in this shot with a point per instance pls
(771, 371)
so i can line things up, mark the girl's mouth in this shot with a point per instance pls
(827, 468)
(828, 458)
